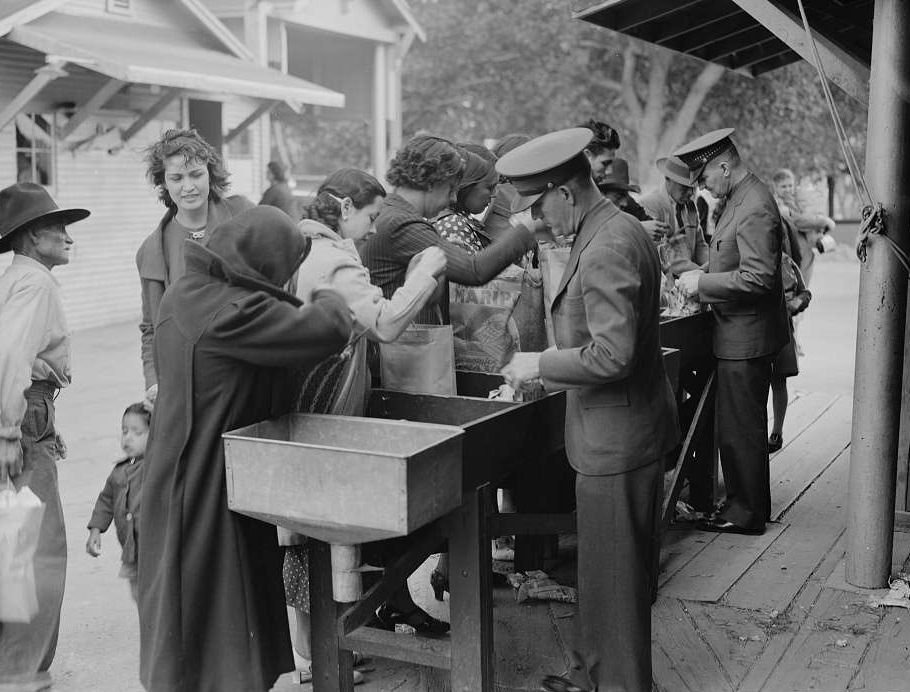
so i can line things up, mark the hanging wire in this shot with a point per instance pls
(873, 222)
(849, 156)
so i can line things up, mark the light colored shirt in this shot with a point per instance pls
(334, 262)
(34, 338)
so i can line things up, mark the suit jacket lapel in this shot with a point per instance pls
(590, 224)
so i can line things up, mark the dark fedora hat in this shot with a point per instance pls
(617, 178)
(23, 204)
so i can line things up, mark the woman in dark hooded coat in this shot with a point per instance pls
(211, 597)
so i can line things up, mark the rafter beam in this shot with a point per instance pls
(842, 69)
(33, 11)
(154, 110)
(93, 105)
(722, 27)
(262, 109)
(43, 76)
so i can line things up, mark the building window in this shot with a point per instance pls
(35, 149)
(120, 7)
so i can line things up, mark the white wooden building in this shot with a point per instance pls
(85, 85)
(356, 47)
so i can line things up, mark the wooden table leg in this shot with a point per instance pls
(471, 604)
(333, 668)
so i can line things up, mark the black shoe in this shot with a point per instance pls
(775, 442)
(440, 583)
(556, 683)
(420, 620)
(720, 526)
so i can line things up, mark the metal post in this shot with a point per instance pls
(882, 307)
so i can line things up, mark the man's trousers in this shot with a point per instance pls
(618, 534)
(27, 649)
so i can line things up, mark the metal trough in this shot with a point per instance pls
(495, 432)
(342, 479)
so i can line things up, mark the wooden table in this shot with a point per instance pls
(491, 453)
(696, 461)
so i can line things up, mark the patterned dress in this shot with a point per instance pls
(461, 230)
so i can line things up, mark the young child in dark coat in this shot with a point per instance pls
(119, 500)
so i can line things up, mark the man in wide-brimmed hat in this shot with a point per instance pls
(673, 204)
(34, 366)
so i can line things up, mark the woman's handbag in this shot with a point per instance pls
(326, 386)
(420, 361)
(20, 526)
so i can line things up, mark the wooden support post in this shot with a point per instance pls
(333, 668)
(882, 307)
(380, 131)
(153, 112)
(471, 604)
(43, 76)
(842, 68)
(261, 109)
(97, 100)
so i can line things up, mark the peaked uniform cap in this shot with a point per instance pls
(23, 204)
(697, 153)
(675, 169)
(544, 163)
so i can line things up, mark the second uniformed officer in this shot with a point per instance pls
(620, 414)
(743, 286)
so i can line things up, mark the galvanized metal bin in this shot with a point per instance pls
(343, 479)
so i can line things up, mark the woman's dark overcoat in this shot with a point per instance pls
(211, 597)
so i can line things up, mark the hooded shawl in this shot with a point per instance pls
(227, 338)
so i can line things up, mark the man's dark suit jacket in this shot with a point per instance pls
(742, 283)
(620, 412)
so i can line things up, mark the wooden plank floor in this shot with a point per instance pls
(738, 613)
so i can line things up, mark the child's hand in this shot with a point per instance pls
(93, 544)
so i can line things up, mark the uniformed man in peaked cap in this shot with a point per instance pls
(742, 284)
(620, 413)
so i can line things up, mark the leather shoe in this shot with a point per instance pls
(556, 683)
(721, 526)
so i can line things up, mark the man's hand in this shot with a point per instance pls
(10, 458)
(521, 370)
(151, 394)
(688, 282)
(60, 443)
(93, 544)
(658, 230)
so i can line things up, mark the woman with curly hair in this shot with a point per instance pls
(346, 205)
(425, 174)
(191, 181)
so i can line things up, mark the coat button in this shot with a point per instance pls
(129, 516)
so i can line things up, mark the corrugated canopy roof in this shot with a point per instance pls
(153, 55)
(720, 31)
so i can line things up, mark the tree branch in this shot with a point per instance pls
(629, 95)
(687, 113)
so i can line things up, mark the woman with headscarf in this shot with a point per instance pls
(459, 225)
(227, 341)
